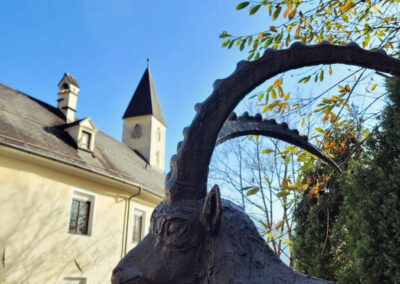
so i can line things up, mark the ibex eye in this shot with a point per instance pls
(172, 228)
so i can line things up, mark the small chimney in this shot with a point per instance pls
(68, 96)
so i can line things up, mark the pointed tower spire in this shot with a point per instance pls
(145, 100)
(144, 123)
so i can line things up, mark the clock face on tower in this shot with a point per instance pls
(137, 131)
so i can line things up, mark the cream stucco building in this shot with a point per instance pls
(73, 200)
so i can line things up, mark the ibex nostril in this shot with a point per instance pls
(125, 275)
(117, 270)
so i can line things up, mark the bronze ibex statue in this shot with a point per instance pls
(196, 237)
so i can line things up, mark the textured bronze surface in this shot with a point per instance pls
(196, 238)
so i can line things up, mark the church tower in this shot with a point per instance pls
(144, 123)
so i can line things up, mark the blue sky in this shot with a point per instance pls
(104, 44)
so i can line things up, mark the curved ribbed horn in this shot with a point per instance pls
(189, 168)
(253, 125)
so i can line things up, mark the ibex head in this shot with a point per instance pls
(194, 236)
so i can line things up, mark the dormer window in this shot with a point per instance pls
(85, 142)
(83, 132)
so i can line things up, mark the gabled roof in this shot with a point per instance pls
(32, 126)
(145, 100)
(70, 79)
(77, 122)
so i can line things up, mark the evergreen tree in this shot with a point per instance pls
(372, 200)
(319, 246)
(360, 241)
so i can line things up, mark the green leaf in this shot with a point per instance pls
(242, 5)
(268, 42)
(224, 34)
(250, 40)
(302, 157)
(278, 39)
(283, 193)
(289, 149)
(273, 94)
(276, 13)
(225, 43)
(252, 191)
(264, 225)
(255, 45)
(231, 43)
(305, 79)
(254, 9)
(287, 160)
(366, 40)
(242, 45)
(266, 151)
(287, 40)
(250, 56)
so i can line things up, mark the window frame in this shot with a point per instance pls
(141, 214)
(82, 196)
(89, 135)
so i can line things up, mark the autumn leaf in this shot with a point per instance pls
(252, 191)
(287, 96)
(377, 9)
(292, 14)
(287, 11)
(273, 94)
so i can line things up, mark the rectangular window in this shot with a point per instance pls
(138, 226)
(80, 216)
(85, 140)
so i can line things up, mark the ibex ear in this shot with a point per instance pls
(210, 216)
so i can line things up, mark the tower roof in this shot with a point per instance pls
(70, 79)
(145, 100)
